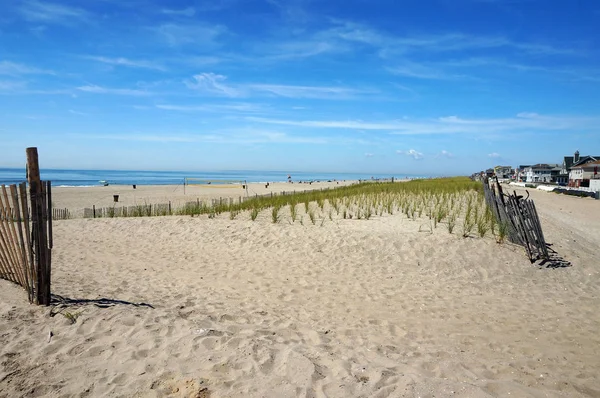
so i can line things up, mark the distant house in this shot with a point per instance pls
(573, 161)
(503, 171)
(563, 177)
(489, 172)
(542, 172)
(520, 172)
(581, 175)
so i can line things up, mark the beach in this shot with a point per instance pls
(182, 306)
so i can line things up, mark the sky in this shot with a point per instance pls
(425, 87)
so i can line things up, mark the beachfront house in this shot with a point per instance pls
(520, 172)
(542, 172)
(581, 175)
(571, 161)
(503, 172)
(563, 176)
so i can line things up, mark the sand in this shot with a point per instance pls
(383, 307)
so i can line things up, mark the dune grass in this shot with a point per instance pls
(443, 200)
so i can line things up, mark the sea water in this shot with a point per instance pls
(79, 178)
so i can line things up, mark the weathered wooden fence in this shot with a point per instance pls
(26, 233)
(61, 214)
(520, 217)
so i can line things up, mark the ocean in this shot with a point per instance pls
(79, 178)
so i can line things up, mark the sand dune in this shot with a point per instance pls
(349, 308)
(78, 198)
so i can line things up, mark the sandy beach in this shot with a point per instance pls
(199, 307)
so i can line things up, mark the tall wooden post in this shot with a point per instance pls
(38, 229)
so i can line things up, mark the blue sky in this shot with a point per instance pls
(404, 87)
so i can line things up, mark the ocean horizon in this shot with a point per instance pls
(90, 178)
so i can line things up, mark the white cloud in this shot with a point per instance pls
(186, 12)
(493, 155)
(390, 45)
(421, 71)
(9, 86)
(77, 113)
(411, 153)
(38, 11)
(369, 155)
(239, 107)
(444, 153)
(116, 91)
(120, 61)
(451, 125)
(305, 91)
(12, 68)
(232, 136)
(198, 34)
(214, 84)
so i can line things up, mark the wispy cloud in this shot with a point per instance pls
(369, 155)
(185, 12)
(306, 91)
(235, 107)
(523, 122)
(420, 71)
(114, 91)
(46, 12)
(493, 155)
(121, 61)
(444, 154)
(213, 84)
(74, 112)
(15, 69)
(10, 86)
(297, 49)
(444, 42)
(245, 136)
(198, 34)
(411, 153)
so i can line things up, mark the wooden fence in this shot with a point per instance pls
(61, 214)
(26, 233)
(520, 217)
(22, 244)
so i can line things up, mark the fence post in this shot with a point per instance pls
(42, 266)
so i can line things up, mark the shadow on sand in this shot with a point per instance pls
(555, 260)
(60, 301)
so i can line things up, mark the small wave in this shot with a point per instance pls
(76, 186)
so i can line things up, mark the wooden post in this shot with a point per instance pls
(94, 210)
(38, 228)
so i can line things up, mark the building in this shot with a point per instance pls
(503, 171)
(563, 177)
(542, 172)
(569, 162)
(520, 172)
(581, 175)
